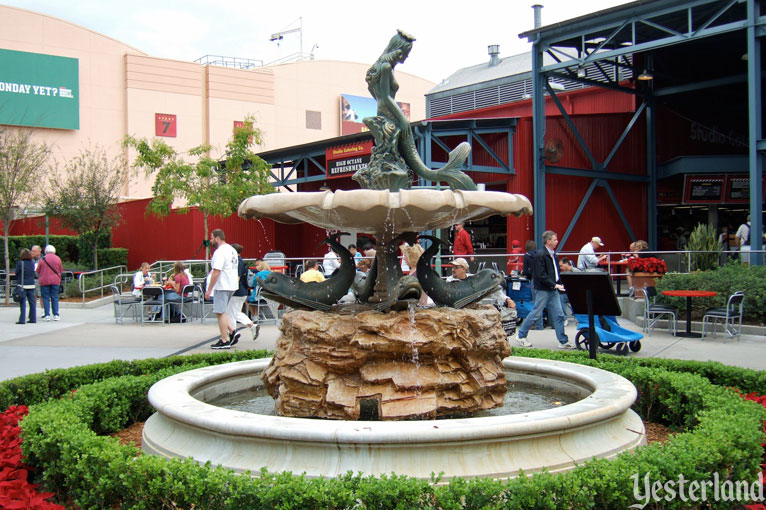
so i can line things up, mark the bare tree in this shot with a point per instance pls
(84, 197)
(22, 164)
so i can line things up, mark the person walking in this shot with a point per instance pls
(462, 246)
(547, 286)
(224, 280)
(25, 276)
(49, 270)
(234, 310)
(528, 265)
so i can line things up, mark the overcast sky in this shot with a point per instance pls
(450, 34)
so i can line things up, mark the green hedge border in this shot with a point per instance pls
(64, 441)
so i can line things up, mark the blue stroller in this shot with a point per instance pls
(608, 334)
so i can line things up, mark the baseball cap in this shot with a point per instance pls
(515, 243)
(460, 262)
(597, 239)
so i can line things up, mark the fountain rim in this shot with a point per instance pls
(611, 396)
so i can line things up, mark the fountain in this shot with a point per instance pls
(356, 387)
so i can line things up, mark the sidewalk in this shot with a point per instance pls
(85, 336)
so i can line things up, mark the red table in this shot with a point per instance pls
(689, 294)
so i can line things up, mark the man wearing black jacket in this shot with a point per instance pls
(545, 279)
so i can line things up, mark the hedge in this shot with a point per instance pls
(726, 280)
(64, 441)
(67, 247)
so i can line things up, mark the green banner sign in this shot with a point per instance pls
(39, 90)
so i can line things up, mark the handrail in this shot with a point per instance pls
(100, 272)
(678, 261)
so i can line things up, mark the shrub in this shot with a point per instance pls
(66, 246)
(704, 239)
(86, 250)
(725, 280)
(110, 257)
(719, 432)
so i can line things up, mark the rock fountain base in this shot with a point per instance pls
(393, 366)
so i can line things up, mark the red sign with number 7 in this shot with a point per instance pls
(165, 125)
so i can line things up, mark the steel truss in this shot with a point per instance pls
(620, 37)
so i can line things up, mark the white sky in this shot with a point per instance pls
(450, 34)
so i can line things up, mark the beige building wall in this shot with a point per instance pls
(121, 90)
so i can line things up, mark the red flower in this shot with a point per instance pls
(15, 490)
(647, 265)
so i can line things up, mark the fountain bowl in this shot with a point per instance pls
(382, 211)
(599, 425)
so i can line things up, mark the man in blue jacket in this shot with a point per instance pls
(545, 279)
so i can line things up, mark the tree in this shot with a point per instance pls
(84, 197)
(22, 162)
(215, 187)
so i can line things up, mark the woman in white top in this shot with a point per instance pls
(141, 278)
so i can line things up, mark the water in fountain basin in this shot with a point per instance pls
(520, 398)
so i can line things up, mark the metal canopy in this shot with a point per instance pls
(305, 163)
(701, 54)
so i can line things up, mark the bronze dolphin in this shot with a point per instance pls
(456, 294)
(318, 296)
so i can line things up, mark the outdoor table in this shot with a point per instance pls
(621, 265)
(689, 294)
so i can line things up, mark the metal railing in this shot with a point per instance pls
(677, 261)
(100, 273)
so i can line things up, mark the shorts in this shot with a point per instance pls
(221, 300)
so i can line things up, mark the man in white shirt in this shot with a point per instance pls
(588, 259)
(224, 280)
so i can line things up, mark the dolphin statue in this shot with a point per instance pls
(456, 294)
(317, 296)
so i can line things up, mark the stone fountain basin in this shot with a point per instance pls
(600, 425)
(382, 211)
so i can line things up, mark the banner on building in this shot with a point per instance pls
(39, 90)
(344, 160)
(355, 108)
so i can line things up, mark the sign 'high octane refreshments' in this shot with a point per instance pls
(346, 159)
(39, 90)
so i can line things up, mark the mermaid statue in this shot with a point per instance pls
(395, 157)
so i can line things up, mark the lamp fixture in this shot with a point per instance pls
(646, 76)
(325, 187)
(582, 72)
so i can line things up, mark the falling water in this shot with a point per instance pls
(411, 311)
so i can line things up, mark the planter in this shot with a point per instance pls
(641, 280)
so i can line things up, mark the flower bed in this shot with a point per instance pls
(15, 489)
(64, 440)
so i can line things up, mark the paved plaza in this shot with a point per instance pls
(85, 336)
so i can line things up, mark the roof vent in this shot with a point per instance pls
(494, 51)
(538, 15)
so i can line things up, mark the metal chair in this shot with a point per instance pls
(124, 303)
(154, 297)
(730, 316)
(654, 312)
(265, 310)
(188, 303)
